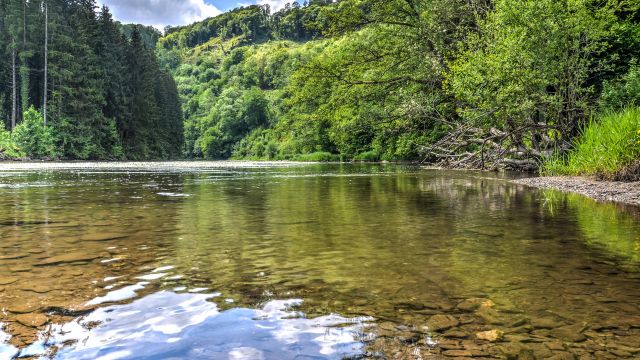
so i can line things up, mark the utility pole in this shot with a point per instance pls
(46, 58)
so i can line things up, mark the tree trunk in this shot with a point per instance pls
(14, 85)
(46, 59)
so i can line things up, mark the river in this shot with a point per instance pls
(234, 260)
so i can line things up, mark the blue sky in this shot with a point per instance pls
(160, 13)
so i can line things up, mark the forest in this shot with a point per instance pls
(519, 84)
(75, 84)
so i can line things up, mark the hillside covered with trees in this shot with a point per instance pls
(464, 83)
(75, 84)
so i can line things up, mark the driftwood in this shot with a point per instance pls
(468, 146)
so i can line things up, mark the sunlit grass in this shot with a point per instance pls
(604, 148)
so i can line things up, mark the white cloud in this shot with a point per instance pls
(160, 13)
(276, 4)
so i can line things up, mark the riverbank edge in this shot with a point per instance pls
(602, 191)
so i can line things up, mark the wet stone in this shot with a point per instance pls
(554, 345)
(489, 316)
(6, 280)
(491, 335)
(40, 289)
(456, 334)
(32, 320)
(545, 323)
(13, 257)
(24, 308)
(571, 333)
(464, 353)
(474, 303)
(101, 237)
(562, 356)
(19, 269)
(68, 259)
(442, 322)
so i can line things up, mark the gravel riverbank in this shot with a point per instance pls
(622, 192)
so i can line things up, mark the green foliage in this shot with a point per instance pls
(317, 157)
(604, 147)
(529, 63)
(97, 73)
(622, 92)
(8, 147)
(32, 138)
(368, 156)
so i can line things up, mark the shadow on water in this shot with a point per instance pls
(377, 261)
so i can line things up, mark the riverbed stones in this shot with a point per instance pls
(563, 355)
(442, 322)
(35, 320)
(69, 258)
(569, 333)
(545, 323)
(97, 237)
(7, 280)
(456, 334)
(489, 316)
(490, 335)
(474, 303)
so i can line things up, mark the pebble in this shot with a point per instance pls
(491, 335)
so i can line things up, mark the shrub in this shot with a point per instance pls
(33, 138)
(370, 156)
(605, 147)
(7, 146)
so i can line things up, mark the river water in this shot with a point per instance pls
(290, 261)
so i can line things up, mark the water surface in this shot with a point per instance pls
(291, 261)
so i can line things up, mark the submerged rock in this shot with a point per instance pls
(489, 316)
(6, 280)
(474, 303)
(442, 322)
(491, 335)
(545, 323)
(32, 320)
(67, 258)
(570, 333)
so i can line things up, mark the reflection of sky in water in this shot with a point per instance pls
(6, 351)
(186, 325)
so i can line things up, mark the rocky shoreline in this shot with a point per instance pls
(606, 191)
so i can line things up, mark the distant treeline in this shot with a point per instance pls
(104, 93)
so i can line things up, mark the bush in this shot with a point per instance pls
(7, 146)
(605, 147)
(370, 156)
(624, 92)
(33, 138)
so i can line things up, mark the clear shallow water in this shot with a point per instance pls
(264, 261)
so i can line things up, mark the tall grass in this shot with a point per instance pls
(604, 148)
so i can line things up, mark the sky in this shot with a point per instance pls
(159, 13)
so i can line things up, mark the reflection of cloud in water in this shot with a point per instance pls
(124, 293)
(6, 351)
(187, 325)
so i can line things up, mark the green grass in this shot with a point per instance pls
(317, 157)
(368, 156)
(604, 148)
